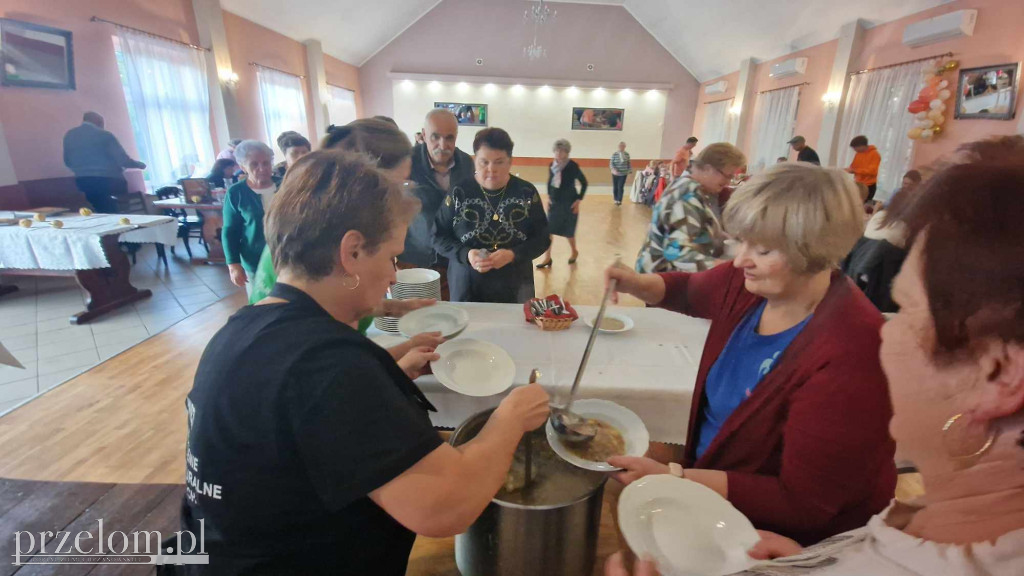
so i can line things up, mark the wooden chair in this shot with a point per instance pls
(189, 226)
(135, 203)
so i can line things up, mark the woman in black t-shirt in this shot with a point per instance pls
(310, 450)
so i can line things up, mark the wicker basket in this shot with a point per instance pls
(553, 324)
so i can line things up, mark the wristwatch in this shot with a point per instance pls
(676, 469)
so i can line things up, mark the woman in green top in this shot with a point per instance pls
(244, 206)
(390, 148)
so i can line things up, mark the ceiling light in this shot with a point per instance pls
(517, 89)
(652, 94)
(625, 93)
(571, 91)
(434, 86)
(463, 87)
(490, 88)
(408, 84)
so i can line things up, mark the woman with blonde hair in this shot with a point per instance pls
(685, 231)
(789, 418)
(954, 357)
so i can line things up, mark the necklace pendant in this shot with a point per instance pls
(495, 217)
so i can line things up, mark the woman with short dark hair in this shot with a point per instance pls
(294, 146)
(222, 173)
(491, 227)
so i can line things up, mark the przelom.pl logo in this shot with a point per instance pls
(116, 547)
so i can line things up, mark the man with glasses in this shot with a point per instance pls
(436, 165)
(686, 233)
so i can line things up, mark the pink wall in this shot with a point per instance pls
(36, 119)
(705, 99)
(250, 42)
(344, 75)
(453, 35)
(997, 39)
(811, 110)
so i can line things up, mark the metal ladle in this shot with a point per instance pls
(574, 428)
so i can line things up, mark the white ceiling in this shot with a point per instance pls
(708, 37)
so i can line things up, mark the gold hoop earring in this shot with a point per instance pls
(949, 443)
(344, 281)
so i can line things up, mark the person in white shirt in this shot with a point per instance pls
(954, 357)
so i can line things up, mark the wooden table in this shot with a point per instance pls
(213, 221)
(102, 269)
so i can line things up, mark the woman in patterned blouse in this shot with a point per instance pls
(686, 234)
(491, 228)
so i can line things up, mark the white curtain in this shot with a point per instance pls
(168, 102)
(774, 122)
(284, 107)
(876, 107)
(717, 122)
(341, 108)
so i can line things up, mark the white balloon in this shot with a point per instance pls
(921, 115)
(936, 104)
(944, 94)
(943, 84)
(927, 123)
(926, 134)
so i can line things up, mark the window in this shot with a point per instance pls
(717, 122)
(168, 100)
(774, 121)
(284, 106)
(341, 108)
(876, 107)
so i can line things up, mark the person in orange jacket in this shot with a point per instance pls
(865, 164)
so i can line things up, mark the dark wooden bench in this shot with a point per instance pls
(33, 506)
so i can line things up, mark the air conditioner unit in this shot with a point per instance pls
(716, 88)
(940, 28)
(788, 68)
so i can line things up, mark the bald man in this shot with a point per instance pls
(98, 161)
(437, 165)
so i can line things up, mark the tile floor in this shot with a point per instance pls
(34, 321)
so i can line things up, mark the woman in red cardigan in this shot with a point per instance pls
(790, 413)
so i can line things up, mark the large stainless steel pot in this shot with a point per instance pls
(549, 539)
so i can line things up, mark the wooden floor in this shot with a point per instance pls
(124, 420)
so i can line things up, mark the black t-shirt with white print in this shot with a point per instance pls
(294, 418)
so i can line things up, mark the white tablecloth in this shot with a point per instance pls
(78, 245)
(651, 369)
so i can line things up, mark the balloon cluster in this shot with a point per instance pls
(930, 105)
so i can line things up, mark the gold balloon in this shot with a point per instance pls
(951, 65)
(936, 130)
(914, 133)
(939, 120)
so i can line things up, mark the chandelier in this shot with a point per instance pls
(539, 13)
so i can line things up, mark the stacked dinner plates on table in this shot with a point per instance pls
(412, 283)
(417, 283)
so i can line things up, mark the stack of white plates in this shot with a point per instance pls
(386, 324)
(417, 283)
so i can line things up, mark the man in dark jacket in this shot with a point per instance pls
(436, 165)
(98, 161)
(804, 152)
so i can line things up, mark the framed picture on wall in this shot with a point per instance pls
(466, 114)
(35, 56)
(987, 92)
(597, 118)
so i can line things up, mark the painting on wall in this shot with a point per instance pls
(597, 118)
(987, 92)
(466, 114)
(35, 56)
